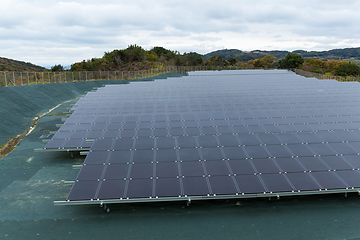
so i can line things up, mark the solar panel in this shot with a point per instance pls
(215, 134)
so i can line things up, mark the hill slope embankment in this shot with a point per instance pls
(20, 106)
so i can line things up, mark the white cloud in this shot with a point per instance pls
(49, 32)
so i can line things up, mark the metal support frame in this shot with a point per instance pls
(217, 197)
(103, 205)
(61, 149)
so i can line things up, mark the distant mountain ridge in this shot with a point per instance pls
(244, 56)
(11, 65)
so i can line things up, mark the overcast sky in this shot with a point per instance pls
(49, 32)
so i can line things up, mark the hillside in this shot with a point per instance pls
(14, 65)
(242, 56)
(346, 53)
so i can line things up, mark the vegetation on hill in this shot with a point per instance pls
(342, 62)
(242, 56)
(335, 54)
(136, 58)
(13, 65)
(338, 68)
(339, 62)
(292, 60)
(347, 53)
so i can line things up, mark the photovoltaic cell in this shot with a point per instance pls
(195, 186)
(236, 133)
(250, 184)
(168, 187)
(222, 185)
(302, 181)
(112, 189)
(276, 183)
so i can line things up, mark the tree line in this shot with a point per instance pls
(136, 58)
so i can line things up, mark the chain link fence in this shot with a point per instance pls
(27, 78)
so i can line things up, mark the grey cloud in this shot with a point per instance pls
(183, 25)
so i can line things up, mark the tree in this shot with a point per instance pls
(217, 61)
(292, 60)
(160, 51)
(191, 59)
(348, 69)
(266, 62)
(57, 68)
(135, 53)
(232, 61)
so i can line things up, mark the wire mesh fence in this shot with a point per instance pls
(27, 78)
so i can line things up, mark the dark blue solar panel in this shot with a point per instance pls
(214, 168)
(329, 180)
(223, 185)
(276, 183)
(167, 187)
(302, 181)
(195, 186)
(230, 134)
(249, 184)
(112, 189)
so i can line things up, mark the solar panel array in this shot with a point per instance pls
(211, 134)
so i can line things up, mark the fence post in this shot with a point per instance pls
(5, 79)
(14, 79)
(21, 78)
